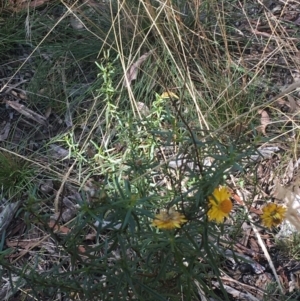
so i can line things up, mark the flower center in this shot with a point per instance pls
(225, 206)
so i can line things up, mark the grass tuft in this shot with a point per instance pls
(149, 107)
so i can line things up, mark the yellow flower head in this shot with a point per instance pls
(219, 204)
(273, 215)
(168, 220)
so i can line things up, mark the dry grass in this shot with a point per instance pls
(100, 169)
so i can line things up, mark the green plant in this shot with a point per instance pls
(16, 174)
(117, 167)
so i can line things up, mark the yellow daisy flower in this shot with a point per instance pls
(168, 220)
(273, 215)
(219, 204)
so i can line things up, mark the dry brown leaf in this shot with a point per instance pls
(58, 152)
(90, 236)
(19, 5)
(297, 21)
(76, 23)
(142, 108)
(131, 73)
(46, 186)
(68, 214)
(64, 230)
(289, 171)
(48, 112)
(7, 214)
(290, 196)
(292, 103)
(264, 121)
(58, 228)
(254, 246)
(20, 94)
(4, 131)
(81, 249)
(27, 112)
(281, 101)
(25, 244)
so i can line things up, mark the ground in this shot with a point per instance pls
(114, 113)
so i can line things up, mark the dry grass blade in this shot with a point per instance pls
(60, 190)
(265, 251)
(283, 93)
(200, 291)
(140, 146)
(263, 247)
(267, 255)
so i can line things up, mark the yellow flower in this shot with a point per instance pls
(219, 204)
(168, 220)
(168, 94)
(273, 215)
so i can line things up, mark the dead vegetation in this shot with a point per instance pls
(113, 110)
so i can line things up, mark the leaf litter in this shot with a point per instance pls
(238, 285)
(132, 72)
